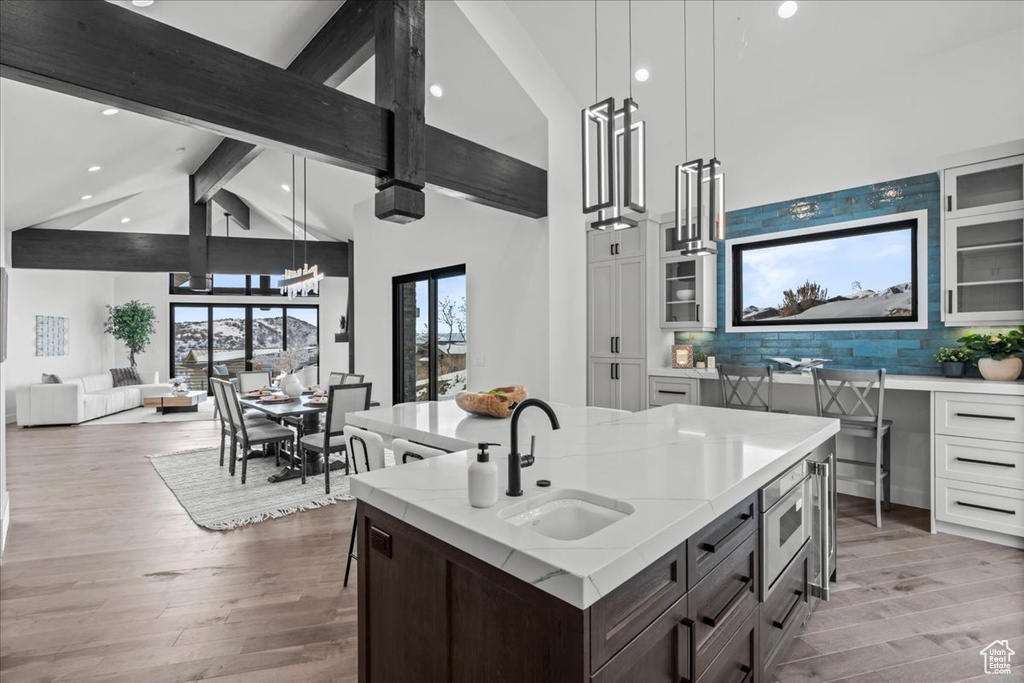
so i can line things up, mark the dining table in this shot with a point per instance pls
(305, 417)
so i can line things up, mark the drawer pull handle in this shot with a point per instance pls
(790, 611)
(1008, 418)
(687, 650)
(729, 606)
(749, 673)
(712, 546)
(668, 391)
(987, 462)
(986, 507)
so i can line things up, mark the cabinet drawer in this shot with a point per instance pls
(786, 608)
(982, 461)
(738, 661)
(722, 601)
(980, 505)
(666, 391)
(618, 617)
(661, 653)
(712, 544)
(980, 415)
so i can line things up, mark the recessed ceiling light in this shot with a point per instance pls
(93, 169)
(787, 9)
(436, 90)
(142, 3)
(642, 75)
(86, 196)
(126, 220)
(110, 112)
(286, 188)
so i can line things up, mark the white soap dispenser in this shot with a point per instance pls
(483, 479)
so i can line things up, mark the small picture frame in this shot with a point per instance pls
(682, 356)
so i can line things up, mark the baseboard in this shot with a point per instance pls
(5, 520)
(979, 534)
(900, 495)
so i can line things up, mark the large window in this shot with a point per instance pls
(244, 337)
(430, 343)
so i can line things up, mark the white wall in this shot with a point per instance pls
(80, 297)
(506, 258)
(152, 288)
(4, 498)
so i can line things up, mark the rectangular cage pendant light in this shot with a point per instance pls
(700, 206)
(614, 163)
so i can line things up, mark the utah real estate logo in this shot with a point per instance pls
(997, 657)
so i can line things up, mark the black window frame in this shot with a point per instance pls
(248, 307)
(255, 285)
(918, 231)
(431, 276)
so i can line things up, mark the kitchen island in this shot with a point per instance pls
(668, 590)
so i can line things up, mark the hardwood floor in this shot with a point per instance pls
(106, 578)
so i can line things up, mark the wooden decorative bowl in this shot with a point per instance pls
(499, 402)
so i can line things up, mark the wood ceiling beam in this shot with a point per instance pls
(338, 49)
(128, 252)
(232, 204)
(199, 215)
(399, 87)
(101, 52)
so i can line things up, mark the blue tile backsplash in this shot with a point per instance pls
(903, 352)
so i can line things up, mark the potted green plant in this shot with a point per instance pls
(954, 360)
(699, 359)
(133, 323)
(997, 353)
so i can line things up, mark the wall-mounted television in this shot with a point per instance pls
(865, 274)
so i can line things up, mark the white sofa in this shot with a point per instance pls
(79, 399)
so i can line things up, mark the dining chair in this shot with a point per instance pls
(226, 429)
(341, 400)
(251, 380)
(336, 378)
(246, 434)
(371, 447)
(745, 387)
(860, 416)
(408, 451)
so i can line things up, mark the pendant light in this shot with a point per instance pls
(306, 280)
(613, 180)
(700, 185)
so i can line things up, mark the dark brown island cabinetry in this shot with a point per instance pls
(431, 612)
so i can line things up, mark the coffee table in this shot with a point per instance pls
(175, 403)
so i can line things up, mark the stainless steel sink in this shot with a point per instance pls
(566, 515)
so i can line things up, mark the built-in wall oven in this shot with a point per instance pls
(798, 508)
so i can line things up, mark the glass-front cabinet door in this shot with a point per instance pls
(687, 295)
(984, 188)
(984, 268)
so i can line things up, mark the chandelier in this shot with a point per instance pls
(305, 280)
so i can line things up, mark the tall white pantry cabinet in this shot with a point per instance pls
(617, 318)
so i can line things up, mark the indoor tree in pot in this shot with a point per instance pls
(954, 360)
(132, 323)
(997, 353)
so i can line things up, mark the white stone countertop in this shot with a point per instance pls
(964, 385)
(679, 467)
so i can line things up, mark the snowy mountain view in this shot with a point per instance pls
(229, 336)
(892, 302)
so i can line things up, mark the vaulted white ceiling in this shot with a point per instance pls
(51, 139)
(784, 87)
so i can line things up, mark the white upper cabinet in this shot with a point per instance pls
(983, 239)
(688, 300)
(983, 188)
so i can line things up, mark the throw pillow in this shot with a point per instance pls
(124, 377)
(51, 379)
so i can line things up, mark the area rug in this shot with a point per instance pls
(216, 500)
(141, 415)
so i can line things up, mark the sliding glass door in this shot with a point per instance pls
(221, 341)
(430, 344)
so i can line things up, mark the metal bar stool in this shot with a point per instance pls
(371, 447)
(860, 416)
(739, 389)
